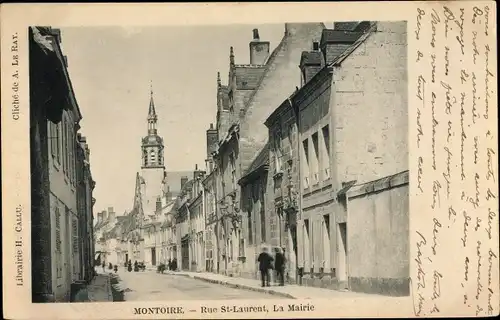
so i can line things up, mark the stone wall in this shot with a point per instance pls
(378, 236)
(371, 107)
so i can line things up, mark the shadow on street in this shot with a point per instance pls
(117, 291)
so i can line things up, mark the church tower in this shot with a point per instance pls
(153, 165)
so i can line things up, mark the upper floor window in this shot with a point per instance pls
(55, 140)
(65, 143)
(315, 158)
(232, 163)
(278, 151)
(305, 163)
(325, 161)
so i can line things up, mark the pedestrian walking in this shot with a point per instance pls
(279, 265)
(129, 268)
(174, 264)
(265, 264)
(103, 266)
(136, 266)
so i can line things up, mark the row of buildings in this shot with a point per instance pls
(309, 153)
(62, 247)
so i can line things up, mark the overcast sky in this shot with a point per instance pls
(111, 70)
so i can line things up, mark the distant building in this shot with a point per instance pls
(144, 234)
(197, 222)
(85, 187)
(182, 225)
(61, 183)
(210, 211)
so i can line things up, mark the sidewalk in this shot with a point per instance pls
(287, 291)
(99, 290)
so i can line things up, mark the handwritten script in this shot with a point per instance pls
(454, 235)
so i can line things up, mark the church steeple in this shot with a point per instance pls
(152, 117)
(152, 144)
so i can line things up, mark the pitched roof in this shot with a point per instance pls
(261, 160)
(338, 60)
(310, 58)
(338, 36)
(224, 92)
(345, 26)
(249, 151)
(297, 39)
(248, 76)
(58, 91)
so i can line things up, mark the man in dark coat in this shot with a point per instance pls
(265, 264)
(280, 266)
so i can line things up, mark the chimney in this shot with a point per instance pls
(184, 179)
(158, 205)
(111, 214)
(99, 217)
(104, 215)
(334, 42)
(212, 140)
(198, 173)
(259, 50)
(231, 55)
(168, 194)
(311, 63)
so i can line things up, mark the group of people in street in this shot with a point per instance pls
(110, 267)
(265, 260)
(172, 264)
(267, 263)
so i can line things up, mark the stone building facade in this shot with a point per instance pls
(256, 195)
(284, 180)
(60, 175)
(365, 67)
(288, 166)
(85, 188)
(197, 222)
(252, 93)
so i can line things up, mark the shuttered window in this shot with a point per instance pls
(75, 235)
(58, 243)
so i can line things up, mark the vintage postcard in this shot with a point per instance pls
(248, 160)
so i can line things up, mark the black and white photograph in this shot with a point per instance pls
(219, 162)
(249, 160)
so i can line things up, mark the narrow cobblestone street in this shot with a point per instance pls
(150, 286)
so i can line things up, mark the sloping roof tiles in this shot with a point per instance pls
(311, 58)
(261, 159)
(248, 77)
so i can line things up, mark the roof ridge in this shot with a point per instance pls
(347, 52)
(249, 65)
(269, 61)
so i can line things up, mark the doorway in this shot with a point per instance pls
(126, 258)
(153, 256)
(185, 255)
(343, 253)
